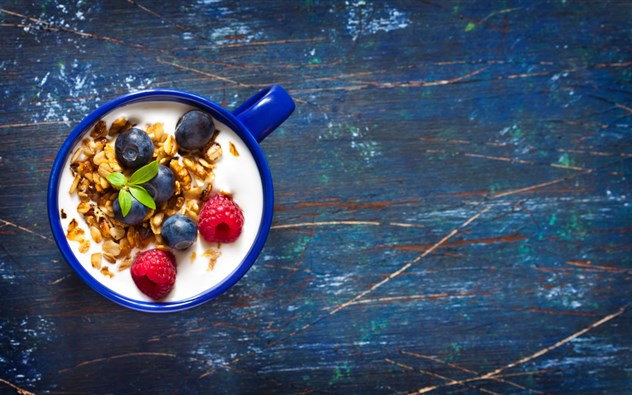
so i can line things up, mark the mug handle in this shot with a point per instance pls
(265, 111)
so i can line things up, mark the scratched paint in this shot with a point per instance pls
(365, 18)
(451, 196)
(26, 340)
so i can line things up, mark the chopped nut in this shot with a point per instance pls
(195, 167)
(117, 232)
(143, 238)
(75, 233)
(156, 131)
(114, 165)
(83, 207)
(177, 190)
(100, 142)
(110, 258)
(126, 250)
(95, 260)
(107, 207)
(95, 233)
(179, 203)
(127, 263)
(84, 246)
(104, 183)
(163, 247)
(170, 146)
(75, 155)
(111, 247)
(106, 272)
(84, 186)
(99, 130)
(206, 164)
(181, 174)
(213, 255)
(88, 147)
(110, 153)
(193, 193)
(192, 206)
(75, 182)
(99, 158)
(232, 149)
(90, 220)
(131, 236)
(104, 227)
(80, 168)
(156, 223)
(105, 169)
(192, 214)
(119, 125)
(212, 152)
(206, 194)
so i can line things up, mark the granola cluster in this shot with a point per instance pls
(94, 160)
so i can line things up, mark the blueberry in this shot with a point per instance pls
(135, 215)
(133, 148)
(194, 129)
(179, 232)
(162, 185)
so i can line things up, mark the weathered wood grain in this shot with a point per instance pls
(452, 199)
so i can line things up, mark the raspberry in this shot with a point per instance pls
(154, 272)
(220, 220)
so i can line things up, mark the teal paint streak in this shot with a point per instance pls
(495, 187)
(525, 250)
(565, 160)
(375, 327)
(573, 228)
(453, 353)
(340, 373)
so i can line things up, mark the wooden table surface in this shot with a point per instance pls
(452, 197)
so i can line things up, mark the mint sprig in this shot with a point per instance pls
(132, 187)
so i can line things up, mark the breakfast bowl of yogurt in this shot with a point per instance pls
(161, 200)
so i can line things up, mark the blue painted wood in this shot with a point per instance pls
(452, 197)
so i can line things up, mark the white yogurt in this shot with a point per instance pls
(237, 175)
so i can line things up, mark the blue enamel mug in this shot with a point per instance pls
(205, 270)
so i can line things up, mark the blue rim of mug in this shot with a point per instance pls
(220, 114)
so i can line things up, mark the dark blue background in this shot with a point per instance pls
(452, 197)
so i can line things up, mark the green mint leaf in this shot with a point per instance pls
(125, 201)
(144, 174)
(117, 179)
(142, 196)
